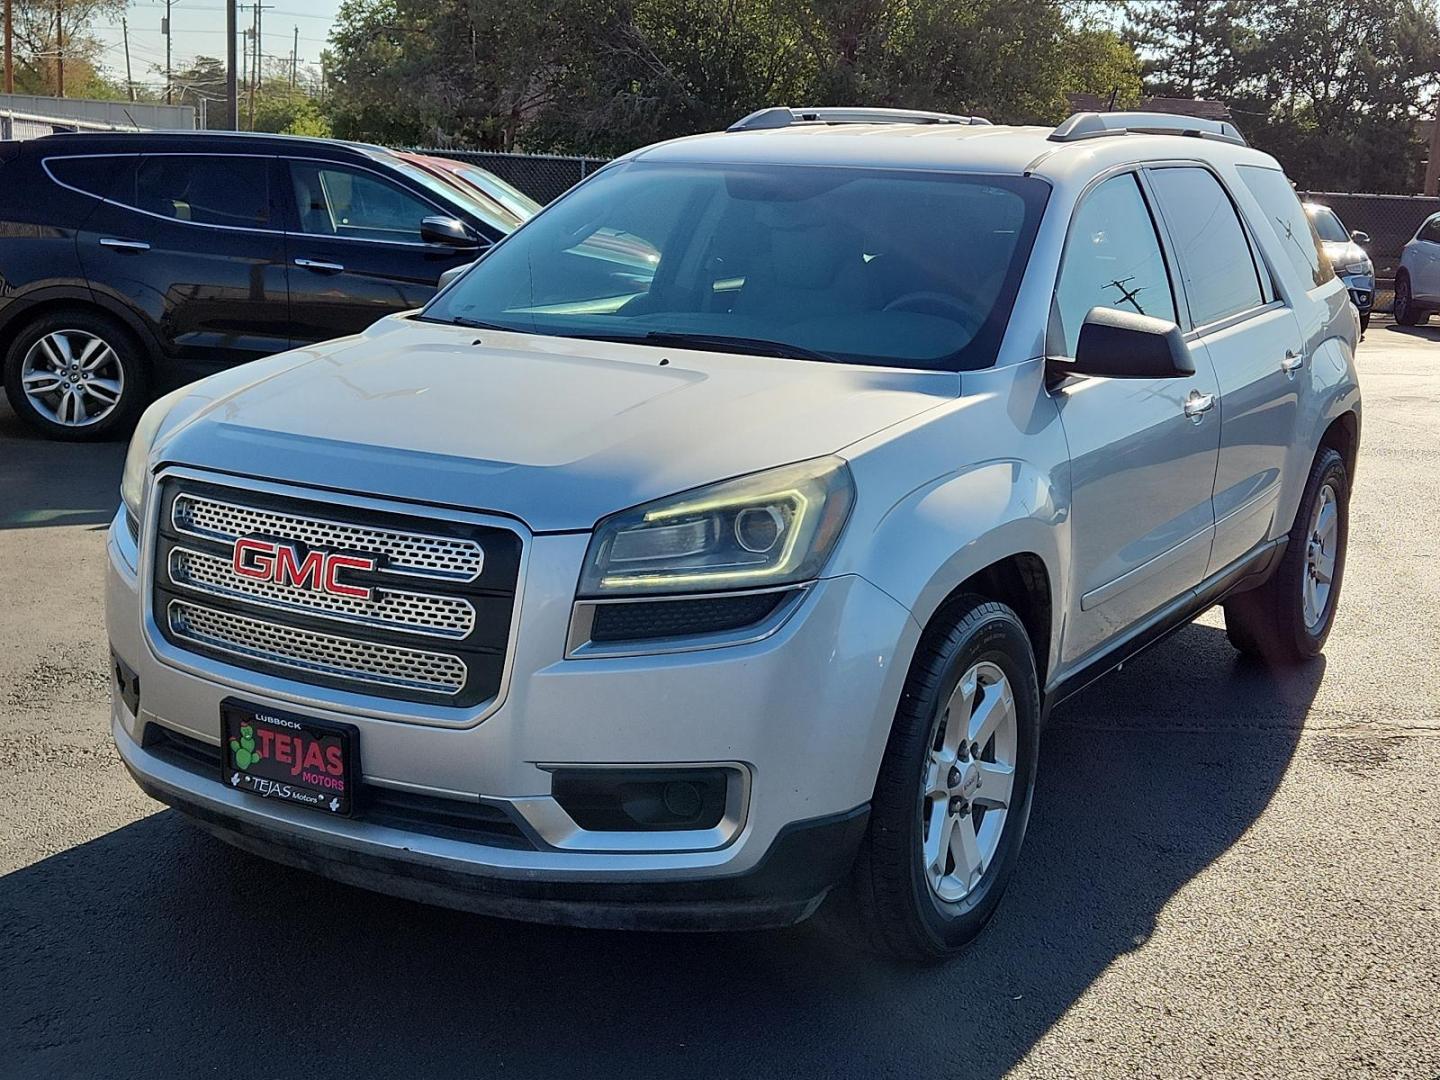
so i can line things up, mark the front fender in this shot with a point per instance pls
(1006, 494)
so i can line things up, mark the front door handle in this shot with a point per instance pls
(1198, 404)
(131, 246)
(1292, 363)
(320, 267)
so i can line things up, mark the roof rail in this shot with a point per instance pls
(779, 116)
(1091, 125)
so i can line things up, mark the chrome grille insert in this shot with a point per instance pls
(441, 557)
(416, 613)
(323, 654)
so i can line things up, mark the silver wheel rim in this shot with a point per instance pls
(968, 782)
(72, 378)
(1321, 550)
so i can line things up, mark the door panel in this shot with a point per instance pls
(1259, 366)
(185, 240)
(354, 252)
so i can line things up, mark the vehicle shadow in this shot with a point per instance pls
(1426, 333)
(155, 945)
(55, 483)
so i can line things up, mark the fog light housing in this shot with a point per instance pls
(642, 800)
(127, 684)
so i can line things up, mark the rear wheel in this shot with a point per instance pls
(953, 795)
(1406, 314)
(1288, 618)
(76, 375)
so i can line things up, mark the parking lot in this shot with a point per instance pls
(1228, 873)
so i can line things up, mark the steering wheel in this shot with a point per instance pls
(939, 304)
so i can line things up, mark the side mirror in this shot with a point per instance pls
(1125, 345)
(449, 231)
(450, 275)
(1360, 237)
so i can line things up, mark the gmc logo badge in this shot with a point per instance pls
(266, 560)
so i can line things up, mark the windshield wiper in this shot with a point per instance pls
(472, 324)
(725, 343)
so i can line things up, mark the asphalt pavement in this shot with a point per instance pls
(1229, 873)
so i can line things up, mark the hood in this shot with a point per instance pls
(556, 432)
(1342, 253)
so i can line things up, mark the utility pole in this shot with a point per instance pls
(59, 51)
(1432, 167)
(9, 47)
(230, 87)
(254, 66)
(294, 57)
(129, 79)
(169, 72)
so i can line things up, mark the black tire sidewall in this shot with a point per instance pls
(1329, 468)
(1404, 314)
(995, 634)
(131, 357)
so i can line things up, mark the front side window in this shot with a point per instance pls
(1210, 243)
(1431, 230)
(1112, 259)
(1298, 231)
(332, 200)
(205, 189)
(866, 266)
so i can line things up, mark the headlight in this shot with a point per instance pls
(1363, 267)
(132, 482)
(770, 528)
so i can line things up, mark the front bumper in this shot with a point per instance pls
(1362, 290)
(803, 715)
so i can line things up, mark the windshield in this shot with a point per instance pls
(514, 200)
(902, 269)
(1327, 225)
(454, 193)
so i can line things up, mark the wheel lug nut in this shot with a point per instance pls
(957, 805)
(954, 778)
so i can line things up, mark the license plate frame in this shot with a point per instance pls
(263, 762)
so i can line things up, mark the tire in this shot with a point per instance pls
(902, 907)
(60, 346)
(1273, 623)
(1364, 322)
(1406, 314)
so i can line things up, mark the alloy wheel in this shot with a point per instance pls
(72, 378)
(1321, 550)
(968, 783)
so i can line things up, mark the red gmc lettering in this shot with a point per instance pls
(265, 560)
(338, 562)
(289, 572)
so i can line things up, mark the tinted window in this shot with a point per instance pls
(1292, 226)
(92, 175)
(232, 191)
(335, 201)
(1431, 230)
(1215, 260)
(868, 266)
(1112, 259)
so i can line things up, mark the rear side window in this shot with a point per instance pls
(93, 175)
(1112, 259)
(1289, 222)
(205, 190)
(1215, 259)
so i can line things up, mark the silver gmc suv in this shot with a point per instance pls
(723, 537)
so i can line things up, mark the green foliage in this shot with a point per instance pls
(287, 111)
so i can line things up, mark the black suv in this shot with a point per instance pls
(133, 261)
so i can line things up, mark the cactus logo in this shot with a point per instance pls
(244, 748)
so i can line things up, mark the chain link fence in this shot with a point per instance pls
(1391, 221)
(544, 177)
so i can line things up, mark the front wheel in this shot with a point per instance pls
(76, 375)
(954, 790)
(1364, 322)
(1288, 618)
(1406, 314)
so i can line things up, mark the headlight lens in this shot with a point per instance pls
(132, 482)
(1365, 266)
(772, 528)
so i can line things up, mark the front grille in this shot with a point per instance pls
(432, 625)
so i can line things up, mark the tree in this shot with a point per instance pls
(37, 47)
(1195, 48)
(288, 111)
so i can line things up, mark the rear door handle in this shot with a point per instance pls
(1198, 404)
(124, 245)
(320, 267)
(1292, 363)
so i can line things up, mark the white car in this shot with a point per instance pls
(724, 535)
(1417, 281)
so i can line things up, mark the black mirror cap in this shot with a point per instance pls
(450, 231)
(1360, 236)
(1127, 345)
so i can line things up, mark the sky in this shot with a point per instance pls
(198, 28)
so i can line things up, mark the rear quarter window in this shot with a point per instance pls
(1289, 223)
(97, 176)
